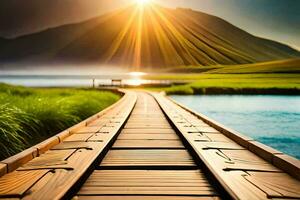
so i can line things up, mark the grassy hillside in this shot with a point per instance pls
(281, 66)
(153, 37)
(232, 83)
(28, 116)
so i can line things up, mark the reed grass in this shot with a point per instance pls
(28, 116)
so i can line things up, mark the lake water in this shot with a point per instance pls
(272, 120)
(77, 81)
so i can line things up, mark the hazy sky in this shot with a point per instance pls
(275, 19)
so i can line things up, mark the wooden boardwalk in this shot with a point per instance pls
(148, 147)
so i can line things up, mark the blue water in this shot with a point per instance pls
(272, 120)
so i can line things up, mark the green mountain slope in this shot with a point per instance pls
(280, 66)
(152, 37)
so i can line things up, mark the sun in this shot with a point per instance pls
(143, 2)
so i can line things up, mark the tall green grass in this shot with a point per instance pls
(28, 116)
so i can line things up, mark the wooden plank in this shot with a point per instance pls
(57, 184)
(218, 145)
(218, 138)
(63, 135)
(47, 144)
(148, 144)
(72, 145)
(201, 191)
(263, 151)
(192, 129)
(151, 182)
(146, 198)
(145, 115)
(220, 160)
(247, 161)
(15, 184)
(149, 126)
(289, 164)
(15, 161)
(3, 169)
(275, 185)
(88, 129)
(148, 158)
(208, 137)
(99, 137)
(54, 159)
(148, 131)
(110, 130)
(78, 137)
(142, 136)
(98, 122)
(147, 119)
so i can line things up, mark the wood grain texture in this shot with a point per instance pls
(3, 169)
(47, 144)
(21, 158)
(72, 145)
(147, 182)
(15, 184)
(148, 158)
(79, 137)
(58, 183)
(143, 136)
(148, 144)
(288, 163)
(276, 185)
(105, 197)
(54, 159)
(88, 129)
(148, 131)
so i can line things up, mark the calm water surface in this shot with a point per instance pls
(272, 120)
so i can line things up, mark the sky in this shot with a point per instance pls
(273, 19)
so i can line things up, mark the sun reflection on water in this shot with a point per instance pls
(136, 78)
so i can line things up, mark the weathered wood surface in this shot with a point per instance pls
(244, 174)
(147, 182)
(163, 151)
(147, 160)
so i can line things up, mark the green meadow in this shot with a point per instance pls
(276, 77)
(233, 83)
(28, 116)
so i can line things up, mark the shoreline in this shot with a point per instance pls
(233, 91)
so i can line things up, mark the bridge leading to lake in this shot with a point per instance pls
(147, 146)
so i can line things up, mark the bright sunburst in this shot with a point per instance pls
(142, 2)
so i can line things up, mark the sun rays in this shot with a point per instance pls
(143, 2)
(149, 27)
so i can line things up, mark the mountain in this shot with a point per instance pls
(278, 66)
(150, 36)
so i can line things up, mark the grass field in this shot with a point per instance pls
(274, 77)
(28, 116)
(279, 66)
(232, 83)
(290, 66)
